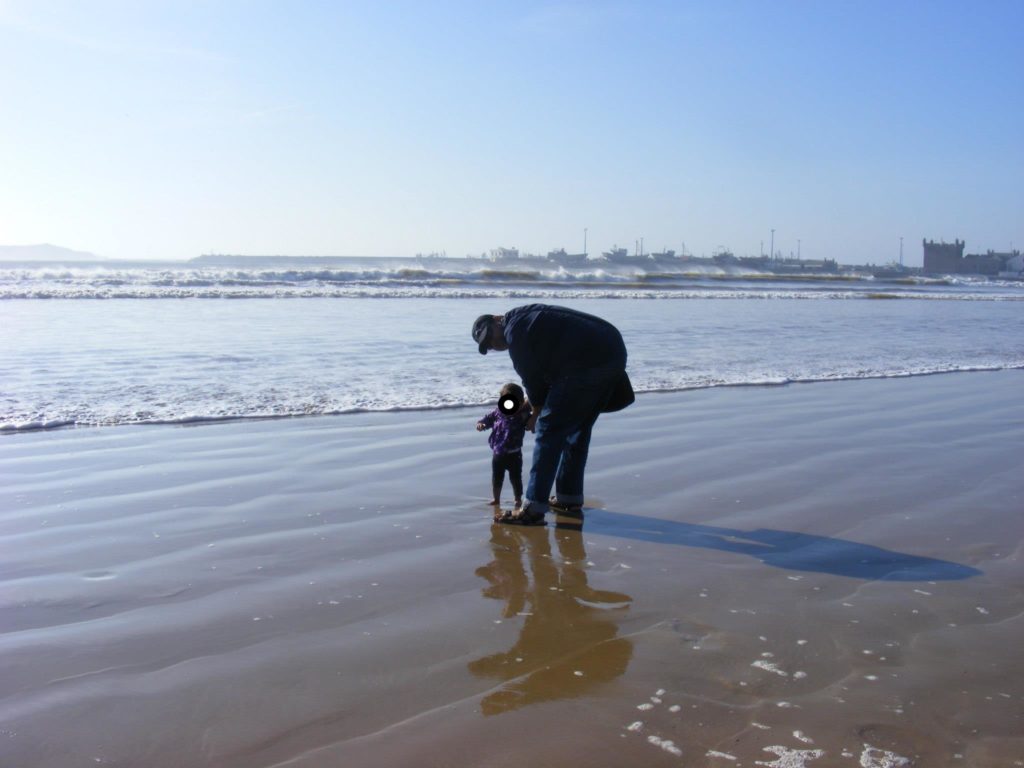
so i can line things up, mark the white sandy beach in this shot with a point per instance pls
(823, 574)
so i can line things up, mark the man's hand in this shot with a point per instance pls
(531, 423)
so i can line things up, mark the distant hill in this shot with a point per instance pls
(44, 252)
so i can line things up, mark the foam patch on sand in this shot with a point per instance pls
(770, 666)
(785, 757)
(665, 744)
(790, 758)
(872, 757)
(722, 755)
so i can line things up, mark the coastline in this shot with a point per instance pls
(194, 421)
(829, 567)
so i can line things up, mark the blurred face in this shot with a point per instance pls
(510, 401)
(497, 340)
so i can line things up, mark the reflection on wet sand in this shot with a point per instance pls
(568, 644)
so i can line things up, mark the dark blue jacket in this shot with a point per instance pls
(548, 342)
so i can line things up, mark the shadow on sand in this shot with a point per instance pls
(783, 549)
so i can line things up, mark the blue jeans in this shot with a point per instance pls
(562, 435)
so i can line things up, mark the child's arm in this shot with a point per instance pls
(486, 422)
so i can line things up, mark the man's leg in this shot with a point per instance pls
(572, 405)
(550, 435)
(569, 480)
(593, 389)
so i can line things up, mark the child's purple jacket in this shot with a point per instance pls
(507, 432)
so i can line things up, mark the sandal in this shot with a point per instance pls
(574, 511)
(518, 517)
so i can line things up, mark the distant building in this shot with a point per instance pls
(504, 254)
(943, 257)
(1014, 266)
(990, 263)
(949, 259)
(567, 259)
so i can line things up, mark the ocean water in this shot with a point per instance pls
(110, 344)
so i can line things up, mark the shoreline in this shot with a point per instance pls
(765, 573)
(196, 421)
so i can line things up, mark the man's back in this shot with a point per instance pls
(548, 341)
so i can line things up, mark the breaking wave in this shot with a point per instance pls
(406, 278)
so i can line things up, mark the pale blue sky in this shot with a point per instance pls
(168, 129)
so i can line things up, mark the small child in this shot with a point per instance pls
(506, 440)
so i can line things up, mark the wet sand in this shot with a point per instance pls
(823, 575)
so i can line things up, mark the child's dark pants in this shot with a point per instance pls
(513, 464)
